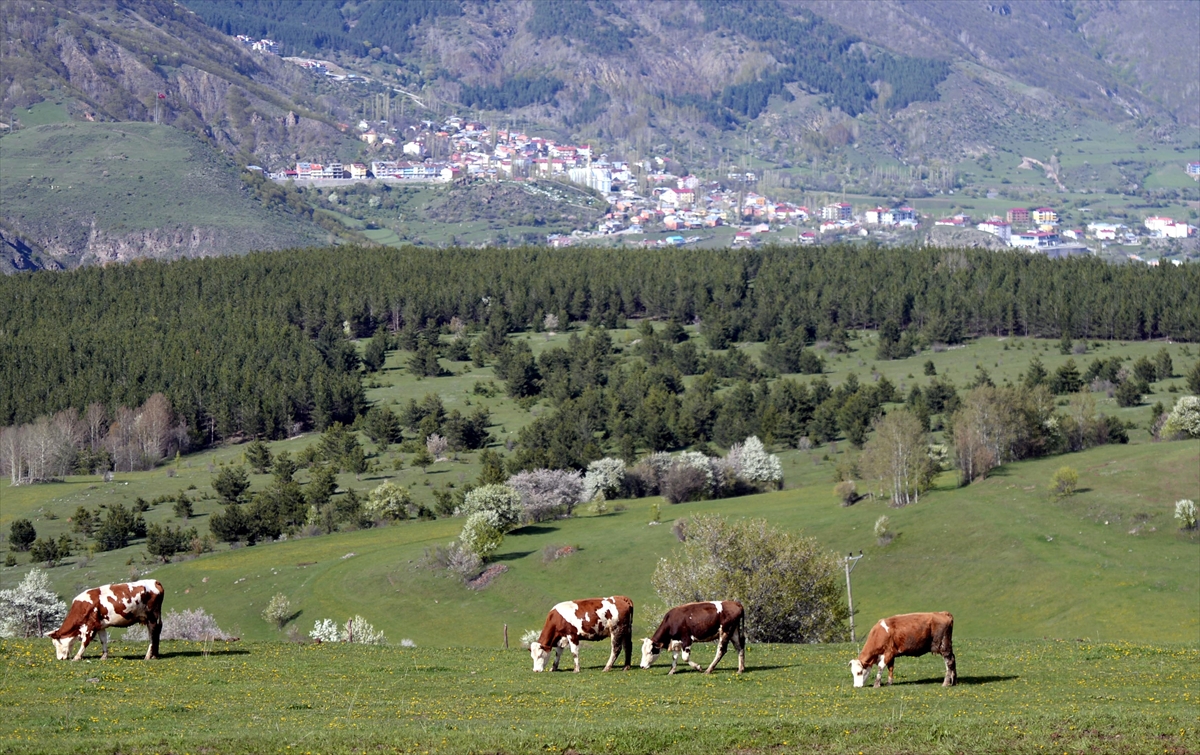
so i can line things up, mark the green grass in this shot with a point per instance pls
(1031, 696)
(127, 178)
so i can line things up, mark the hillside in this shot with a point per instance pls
(92, 193)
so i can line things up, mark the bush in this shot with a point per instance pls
(547, 493)
(388, 501)
(482, 533)
(528, 637)
(1184, 418)
(883, 535)
(1185, 512)
(163, 542)
(21, 534)
(47, 550)
(605, 476)
(751, 462)
(31, 608)
(231, 483)
(684, 483)
(846, 491)
(1064, 482)
(500, 499)
(230, 525)
(788, 584)
(192, 625)
(278, 611)
(356, 630)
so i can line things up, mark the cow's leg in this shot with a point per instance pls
(739, 639)
(951, 671)
(627, 641)
(557, 655)
(575, 655)
(102, 635)
(722, 644)
(891, 666)
(155, 628)
(674, 647)
(879, 672)
(687, 657)
(612, 656)
(85, 637)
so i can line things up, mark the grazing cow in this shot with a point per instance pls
(907, 634)
(719, 620)
(592, 619)
(120, 605)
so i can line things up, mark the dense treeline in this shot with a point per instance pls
(312, 25)
(822, 57)
(260, 345)
(516, 92)
(576, 20)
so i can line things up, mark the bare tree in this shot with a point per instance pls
(69, 434)
(153, 427)
(897, 456)
(121, 440)
(96, 418)
(12, 453)
(985, 430)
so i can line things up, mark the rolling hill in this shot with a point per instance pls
(91, 193)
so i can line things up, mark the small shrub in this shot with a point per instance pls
(22, 534)
(883, 535)
(684, 482)
(360, 631)
(278, 611)
(326, 630)
(847, 492)
(655, 513)
(10, 559)
(552, 552)
(1064, 482)
(1184, 418)
(192, 625)
(528, 637)
(482, 533)
(388, 501)
(1185, 512)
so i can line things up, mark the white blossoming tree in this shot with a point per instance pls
(753, 464)
(603, 476)
(1184, 418)
(388, 501)
(31, 608)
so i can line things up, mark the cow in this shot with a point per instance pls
(907, 634)
(592, 619)
(720, 620)
(94, 611)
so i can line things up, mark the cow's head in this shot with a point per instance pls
(858, 671)
(539, 655)
(650, 652)
(62, 645)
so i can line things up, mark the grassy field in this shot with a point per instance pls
(128, 178)
(1032, 696)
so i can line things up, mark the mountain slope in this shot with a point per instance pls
(87, 193)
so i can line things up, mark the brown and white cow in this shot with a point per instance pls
(94, 611)
(907, 634)
(719, 620)
(592, 619)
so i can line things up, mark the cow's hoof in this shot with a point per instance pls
(876, 685)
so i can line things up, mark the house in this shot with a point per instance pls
(369, 136)
(875, 216)
(1044, 216)
(840, 211)
(358, 170)
(958, 221)
(1018, 216)
(332, 170)
(743, 237)
(1167, 228)
(1193, 170)
(996, 227)
(1034, 240)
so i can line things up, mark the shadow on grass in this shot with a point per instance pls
(163, 653)
(968, 680)
(533, 529)
(515, 556)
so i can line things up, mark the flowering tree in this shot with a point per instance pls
(31, 608)
(546, 493)
(603, 476)
(501, 499)
(482, 533)
(388, 501)
(751, 462)
(1184, 418)
(1185, 512)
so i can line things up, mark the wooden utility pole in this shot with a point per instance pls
(506, 636)
(848, 563)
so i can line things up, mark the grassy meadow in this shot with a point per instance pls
(1076, 619)
(1032, 696)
